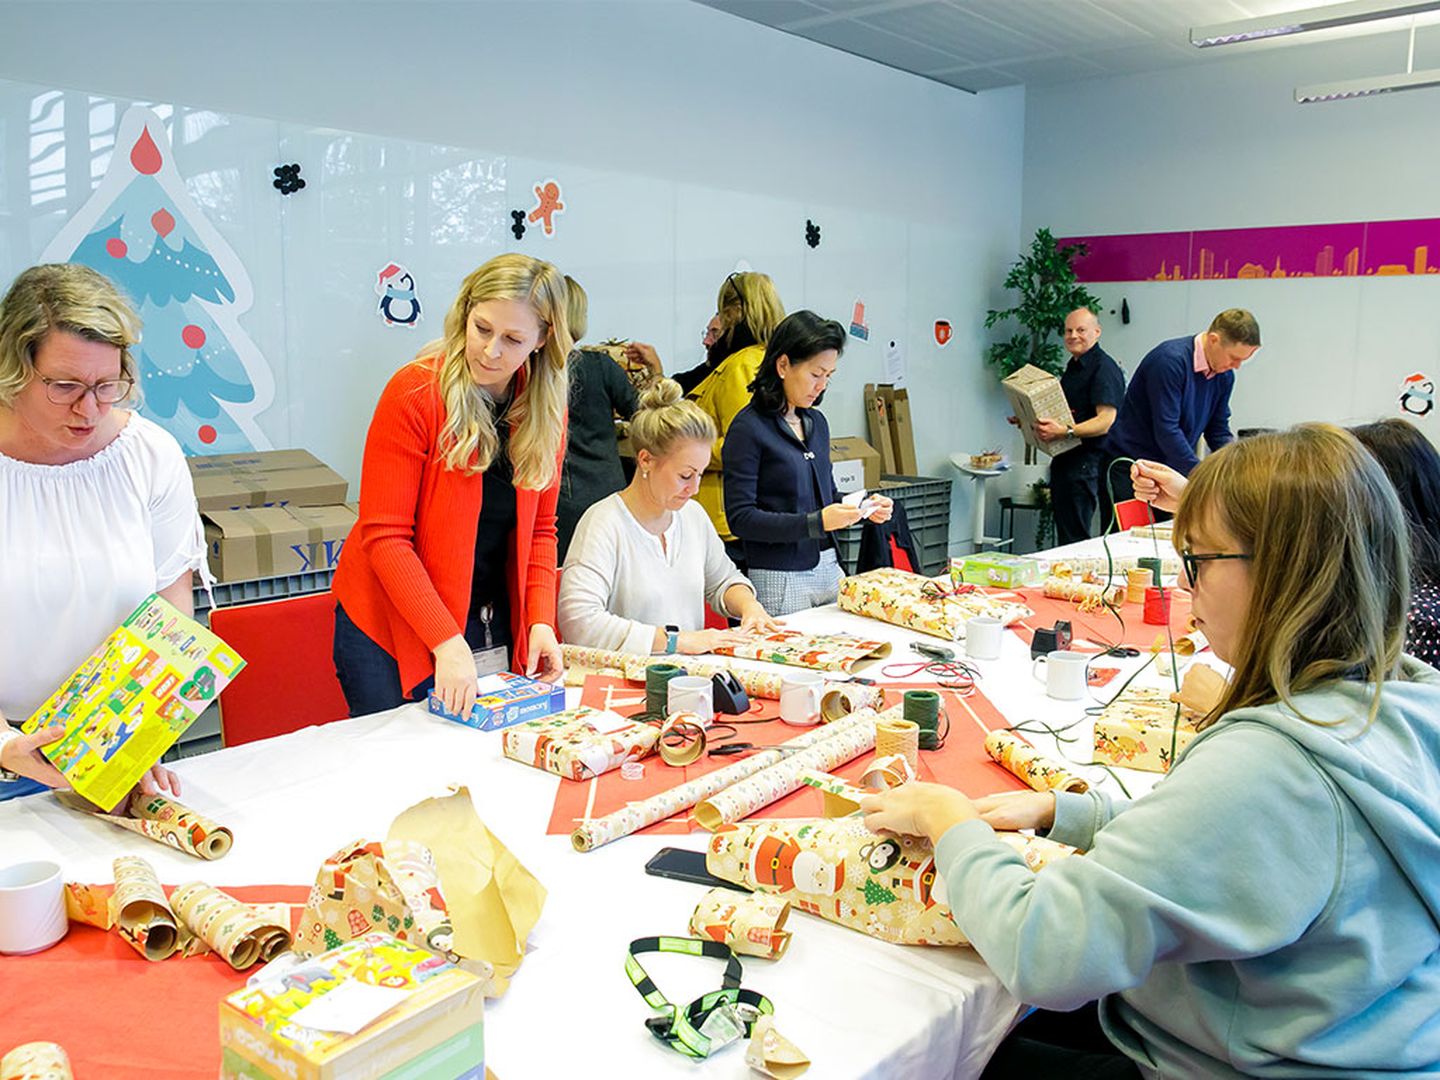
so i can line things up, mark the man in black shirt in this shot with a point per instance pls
(1094, 386)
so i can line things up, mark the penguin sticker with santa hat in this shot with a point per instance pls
(399, 305)
(1417, 395)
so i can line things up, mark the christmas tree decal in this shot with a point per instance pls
(201, 377)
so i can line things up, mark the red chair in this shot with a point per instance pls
(1132, 513)
(289, 677)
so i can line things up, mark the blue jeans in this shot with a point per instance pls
(370, 677)
(24, 786)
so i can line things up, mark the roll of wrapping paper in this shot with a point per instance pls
(922, 707)
(597, 832)
(886, 772)
(896, 736)
(682, 738)
(165, 820)
(139, 910)
(1021, 759)
(1154, 565)
(1191, 643)
(1087, 594)
(1138, 580)
(758, 684)
(842, 699)
(36, 1061)
(753, 924)
(760, 789)
(657, 683)
(229, 927)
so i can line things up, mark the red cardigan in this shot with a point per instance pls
(405, 571)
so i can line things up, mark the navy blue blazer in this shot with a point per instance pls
(776, 486)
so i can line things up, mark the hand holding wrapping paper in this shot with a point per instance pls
(494, 901)
(159, 818)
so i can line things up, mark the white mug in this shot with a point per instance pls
(982, 637)
(1064, 674)
(691, 694)
(800, 693)
(32, 907)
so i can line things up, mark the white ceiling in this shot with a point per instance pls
(983, 44)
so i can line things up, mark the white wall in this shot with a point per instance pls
(659, 89)
(1223, 145)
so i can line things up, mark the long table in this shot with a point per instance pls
(860, 1008)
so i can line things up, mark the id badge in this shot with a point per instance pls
(491, 661)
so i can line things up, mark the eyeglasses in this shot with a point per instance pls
(1192, 562)
(106, 391)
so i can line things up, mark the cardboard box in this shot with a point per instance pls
(877, 418)
(854, 464)
(1005, 571)
(1037, 395)
(506, 699)
(276, 541)
(902, 432)
(265, 478)
(437, 1032)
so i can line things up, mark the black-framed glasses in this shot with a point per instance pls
(1192, 562)
(106, 391)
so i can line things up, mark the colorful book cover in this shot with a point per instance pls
(132, 698)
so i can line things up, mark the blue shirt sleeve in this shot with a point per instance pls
(1217, 429)
(1164, 391)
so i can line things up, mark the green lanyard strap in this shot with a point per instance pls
(679, 1029)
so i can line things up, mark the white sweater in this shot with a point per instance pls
(619, 584)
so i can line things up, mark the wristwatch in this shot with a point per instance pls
(1070, 431)
(672, 639)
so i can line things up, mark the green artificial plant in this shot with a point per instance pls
(1048, 292)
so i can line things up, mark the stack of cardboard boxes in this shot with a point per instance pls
(271, 513)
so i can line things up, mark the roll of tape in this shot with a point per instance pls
(633, 770)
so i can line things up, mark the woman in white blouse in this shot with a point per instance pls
(645, 561)
(97, 510)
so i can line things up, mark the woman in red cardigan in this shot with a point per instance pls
(451, 567)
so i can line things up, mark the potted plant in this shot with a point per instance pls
(1048, 291)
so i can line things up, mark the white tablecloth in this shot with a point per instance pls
(858, 1007)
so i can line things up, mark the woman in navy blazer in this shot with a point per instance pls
(779, 492)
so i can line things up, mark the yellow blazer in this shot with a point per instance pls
(722, 394)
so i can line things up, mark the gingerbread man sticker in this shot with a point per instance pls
(547, 205)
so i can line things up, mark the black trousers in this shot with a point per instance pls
(1062, 1046)
(1074, 489)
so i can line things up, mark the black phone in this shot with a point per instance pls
(685, 865)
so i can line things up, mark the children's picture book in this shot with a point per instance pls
(132, 698)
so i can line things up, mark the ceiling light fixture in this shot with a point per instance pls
(1304, 21)
(1410, 79)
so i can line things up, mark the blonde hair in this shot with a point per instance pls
(61, 296)
(666, 417)
(468, 440)
(577, 308)
(752, 299)
(1330, 561)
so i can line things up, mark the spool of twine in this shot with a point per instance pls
(1154, 565)
(1157, 607)
(657, 682)
(901, 737)
(922, 708)
(1138, 580)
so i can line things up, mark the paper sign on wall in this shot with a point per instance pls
(547, 205)
(399, 304)
(894, 364)
(1417, 395)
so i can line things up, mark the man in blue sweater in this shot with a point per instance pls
(1181, 391)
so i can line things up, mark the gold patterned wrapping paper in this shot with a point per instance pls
(823, 652)
(36, 1061)
(1088, 595)
(839, 797)
(1097, 566)
(1021, 759)
(750, 923)
(162, 819)
(884, 886)
(568, 743)
(771, 1054)
(1140, 730)
(139, 909)
(597, 832)
(581, 660)
(233, 929)
(928, 605)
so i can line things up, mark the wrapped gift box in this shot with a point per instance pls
(506, 699)
(580, 743)
(433, 1029)
(1140, 730)
(935, 606)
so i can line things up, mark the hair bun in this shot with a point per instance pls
(663, 393)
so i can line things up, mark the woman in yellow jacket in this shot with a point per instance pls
(749, 309)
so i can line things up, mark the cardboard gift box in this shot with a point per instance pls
(276, 541)
(854, 464)
(428, 1018)
(580, 743)
(1004, 571)
(1037, 395)
(265, 478)
(1143, 729)
(506, 699)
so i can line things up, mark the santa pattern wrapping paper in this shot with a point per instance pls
(581, 660)
(750, 923)
(580, 743)
(823, 652)
(929, 605)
